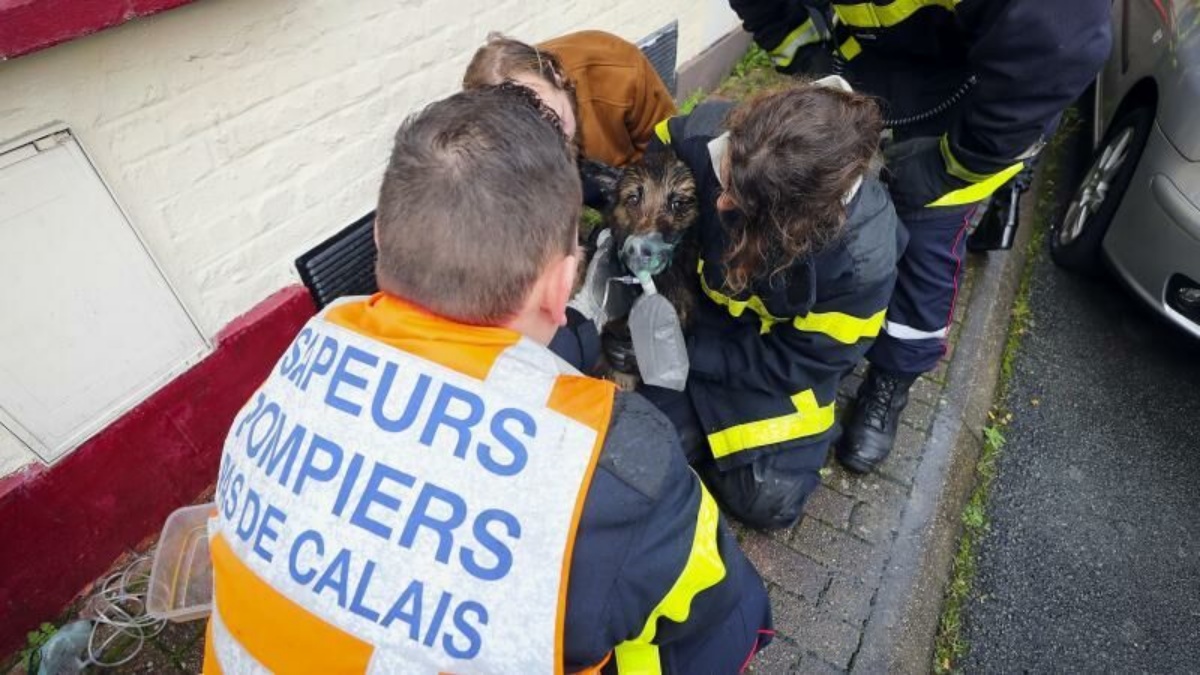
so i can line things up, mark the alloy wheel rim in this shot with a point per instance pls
(1096, 187)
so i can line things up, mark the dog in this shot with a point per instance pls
(657, 194)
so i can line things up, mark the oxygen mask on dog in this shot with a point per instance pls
(646, 255)
(654, 325)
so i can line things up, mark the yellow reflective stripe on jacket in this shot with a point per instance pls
(850, 49)
(810, 419)
(703, 570)
(805, 34)
(872, 15)
(983, 185)
(845, 328)
(738, 307)
(663, 131)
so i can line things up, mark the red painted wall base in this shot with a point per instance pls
(29, 25)
(61, 527)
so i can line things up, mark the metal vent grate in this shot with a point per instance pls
(662, 47)
(343, 264)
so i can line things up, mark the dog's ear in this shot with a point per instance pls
(599, 183)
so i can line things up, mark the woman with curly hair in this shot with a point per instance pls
(799, 242)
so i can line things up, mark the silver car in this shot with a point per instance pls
(1138, 207)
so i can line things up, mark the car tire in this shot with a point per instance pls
(1075, 238)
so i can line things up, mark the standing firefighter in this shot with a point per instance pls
(971, 90)
(420, 486)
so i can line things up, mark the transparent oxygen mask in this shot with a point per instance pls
(654, 324)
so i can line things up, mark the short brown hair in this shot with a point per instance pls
(793, 154)
(479, 195)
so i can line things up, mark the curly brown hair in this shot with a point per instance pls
(793, 155)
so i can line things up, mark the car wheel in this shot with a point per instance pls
(1075, 239)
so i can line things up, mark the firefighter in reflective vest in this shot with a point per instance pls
(971, 90)
(420, 486)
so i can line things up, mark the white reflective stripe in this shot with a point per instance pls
(525, 371)
(902, 332)
(230, 654)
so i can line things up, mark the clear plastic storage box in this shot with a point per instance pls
(181, 576)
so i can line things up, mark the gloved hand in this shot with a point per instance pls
(617, 346)
(590, 299)
(813, 60)
(917, 174)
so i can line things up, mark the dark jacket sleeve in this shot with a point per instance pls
(635, 537)
(1031, 59)
(789, 359)
(769, 21)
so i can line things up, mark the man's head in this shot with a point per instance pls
(478, 213)
(503, 59)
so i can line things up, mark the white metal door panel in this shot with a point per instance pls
(88, 325)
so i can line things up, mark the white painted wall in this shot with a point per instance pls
(236, 135)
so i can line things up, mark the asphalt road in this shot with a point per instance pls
(1092, 561)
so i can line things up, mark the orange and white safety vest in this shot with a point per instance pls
(401, 496)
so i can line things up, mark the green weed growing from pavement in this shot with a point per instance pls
(755, 59)
(33, 644)
(950, 645)
(753, 73)
(693, 100)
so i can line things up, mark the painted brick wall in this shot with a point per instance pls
(238, 134)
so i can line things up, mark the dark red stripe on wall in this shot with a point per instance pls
(29, 25)
(61, 527)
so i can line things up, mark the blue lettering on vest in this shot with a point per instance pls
(292, 358)
(231, 496)
(251, 507)
(301, 367)
(471, 633)
(336, 577)
(304, 578)
(356, 604)
(519, 455)
(410, 409)
(343, 376)
(267, 532)
(444, 526)
(440, 417)
(373, 495)
(259, 435)
(284, 454)
(348, 482)
(224, 475)
(410, 596)
(326, 353)
(489, 541)
(250, 415)
(439, 614)
(309, 468)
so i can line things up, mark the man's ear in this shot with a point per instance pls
(560, 284)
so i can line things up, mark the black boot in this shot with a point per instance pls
(872, 429)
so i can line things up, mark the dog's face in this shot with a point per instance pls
(657, 194)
